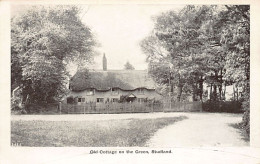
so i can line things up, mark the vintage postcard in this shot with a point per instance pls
(89, 81)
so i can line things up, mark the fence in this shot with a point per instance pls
(146, 107)
(183, 106)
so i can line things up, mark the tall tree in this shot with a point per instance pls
(177, 42)
(43, 40)
(128, 66)
(199, 43)
(236, 38)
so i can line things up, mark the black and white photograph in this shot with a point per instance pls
(148, 77)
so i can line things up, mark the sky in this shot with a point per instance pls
(119, 30)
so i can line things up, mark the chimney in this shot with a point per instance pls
(104, 63)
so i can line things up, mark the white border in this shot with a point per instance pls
(80, 155)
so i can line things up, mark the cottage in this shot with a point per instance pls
(101, 86)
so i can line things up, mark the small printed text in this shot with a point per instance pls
(130, 151)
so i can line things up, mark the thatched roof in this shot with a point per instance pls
(105, 80)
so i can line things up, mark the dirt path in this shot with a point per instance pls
(89, 117)
(201, 129)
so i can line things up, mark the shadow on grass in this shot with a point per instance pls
(242, 131)
(102, 133)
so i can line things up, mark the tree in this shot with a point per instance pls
(176, 40)
(199, 43)
(128, 66)
(236, 38)
(44, 39)
(202, 44)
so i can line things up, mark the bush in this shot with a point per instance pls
(17, 107)
(246, 121)
(41, 108)
(70, 100)
(222, 106)
(15, 104)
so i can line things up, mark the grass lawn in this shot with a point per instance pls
(110, 133)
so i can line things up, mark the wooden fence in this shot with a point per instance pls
(183, 106)
(146, 107)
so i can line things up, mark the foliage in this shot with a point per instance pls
(197, 45)
(236, 37)
(222, 106)
(202, 44)
(128, 66)
(70, 100)
(176, 43)
(15, 104)
(44, 39)
(246, 121)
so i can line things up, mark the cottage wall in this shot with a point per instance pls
(109, 95)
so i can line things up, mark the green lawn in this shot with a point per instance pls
(111, 133)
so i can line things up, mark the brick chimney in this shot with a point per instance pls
(104, 63)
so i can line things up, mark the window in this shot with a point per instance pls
(81, 99)
(99, 100)
(115, 91)
(90, 92)
(114, 99)
(140, 100)
(140, 91)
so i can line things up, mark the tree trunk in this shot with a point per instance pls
(234, 93)
(220, 86)
(171, 92)
(210, 93)
(171, 89)
(194, 97)
(194, 93)
(235, 90)
(215, 87)
(201, 88)
(224, 92)
(220, 92)
(214, 94)
(179, 92)
(179, 88)
(237, 93)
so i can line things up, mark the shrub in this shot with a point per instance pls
(15, 104)
(70, 100)
(17, 107)
(34, 108)
(222, 106)
(246, 121)
(246, 108)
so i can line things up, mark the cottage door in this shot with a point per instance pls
(131, 98)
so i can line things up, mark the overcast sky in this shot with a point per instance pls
(119, 29)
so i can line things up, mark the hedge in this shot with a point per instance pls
(222, 106)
